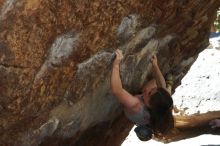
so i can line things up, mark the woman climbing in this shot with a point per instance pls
(152, 108)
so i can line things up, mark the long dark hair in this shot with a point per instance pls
(161, 120)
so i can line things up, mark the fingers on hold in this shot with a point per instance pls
(116, 52)
(121, 55)
(119, 51)
(152, 58)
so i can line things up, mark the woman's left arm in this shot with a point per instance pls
(161, 83)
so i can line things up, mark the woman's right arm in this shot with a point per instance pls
(122, 95)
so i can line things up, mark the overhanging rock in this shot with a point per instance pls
(55, 63)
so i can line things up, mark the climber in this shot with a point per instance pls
(152, 109)
(215, 123)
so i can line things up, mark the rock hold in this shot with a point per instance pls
(127, 28)
(62, 48)
(8, 6)
(48, 128)
(34, 138)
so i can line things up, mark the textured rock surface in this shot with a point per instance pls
(55, 62)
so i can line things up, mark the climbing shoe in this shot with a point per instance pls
(169, 79)
(143, 132)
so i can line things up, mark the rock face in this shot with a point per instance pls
(55, 63)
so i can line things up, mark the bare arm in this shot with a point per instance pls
(122, 95)
(161, 83)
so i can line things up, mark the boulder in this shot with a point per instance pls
(55, 63)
